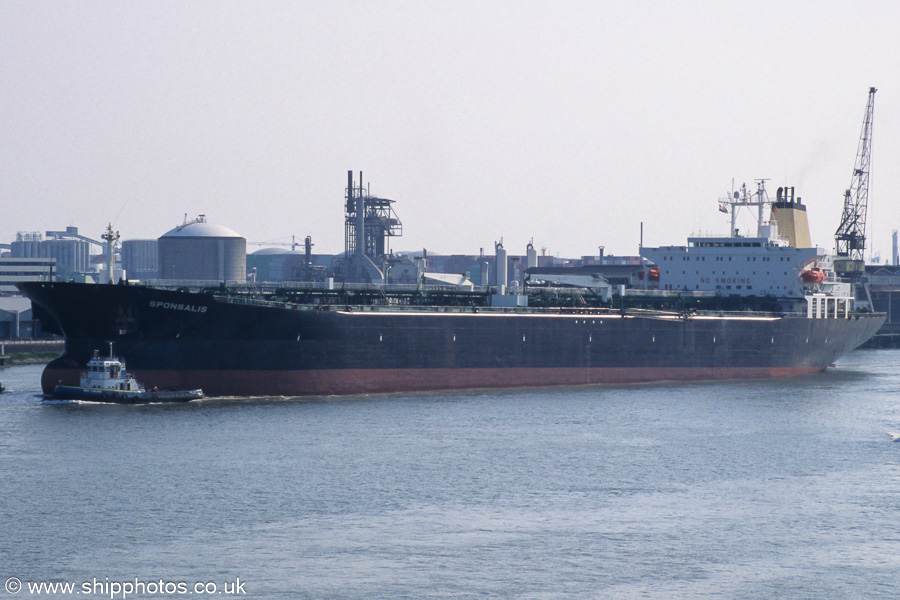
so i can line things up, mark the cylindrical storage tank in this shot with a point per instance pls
(531, 256)
(277, 264)
(502, 276)
(26, 245)
(72, 256)
(202, 251)
(895, 257)
(140, 259)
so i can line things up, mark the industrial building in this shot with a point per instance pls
(24, 269)
(197, 250)
(17, 319)
(882, 284)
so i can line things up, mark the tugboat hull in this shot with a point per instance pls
(66, 392)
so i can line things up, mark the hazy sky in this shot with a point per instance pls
(566, 122)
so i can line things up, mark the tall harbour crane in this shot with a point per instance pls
(850, 237)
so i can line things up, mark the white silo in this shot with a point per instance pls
(502, 275)
(197, 250)
(530, 256)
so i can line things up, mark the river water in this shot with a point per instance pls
(776, 489)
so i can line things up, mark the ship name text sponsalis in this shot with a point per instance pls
(172, 306)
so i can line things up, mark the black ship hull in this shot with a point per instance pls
(191, 340)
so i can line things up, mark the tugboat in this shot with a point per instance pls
(107, 380)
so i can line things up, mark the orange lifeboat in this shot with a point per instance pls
(652, 274)
(814, 275)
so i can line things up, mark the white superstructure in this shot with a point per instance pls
(764, 264)
(108, 373)
(742, 266)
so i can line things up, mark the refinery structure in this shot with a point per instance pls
(199, 253)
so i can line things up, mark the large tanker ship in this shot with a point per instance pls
(233, 345)
(735, 307)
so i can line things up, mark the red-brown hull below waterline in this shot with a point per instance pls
(373, 381)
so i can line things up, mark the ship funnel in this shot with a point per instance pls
(790, 217)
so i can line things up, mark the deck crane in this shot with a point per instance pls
(850, 237)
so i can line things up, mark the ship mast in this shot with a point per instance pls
(850, 237)
(110, 237)
(758, 199)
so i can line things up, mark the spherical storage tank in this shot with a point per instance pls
(198, 250)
